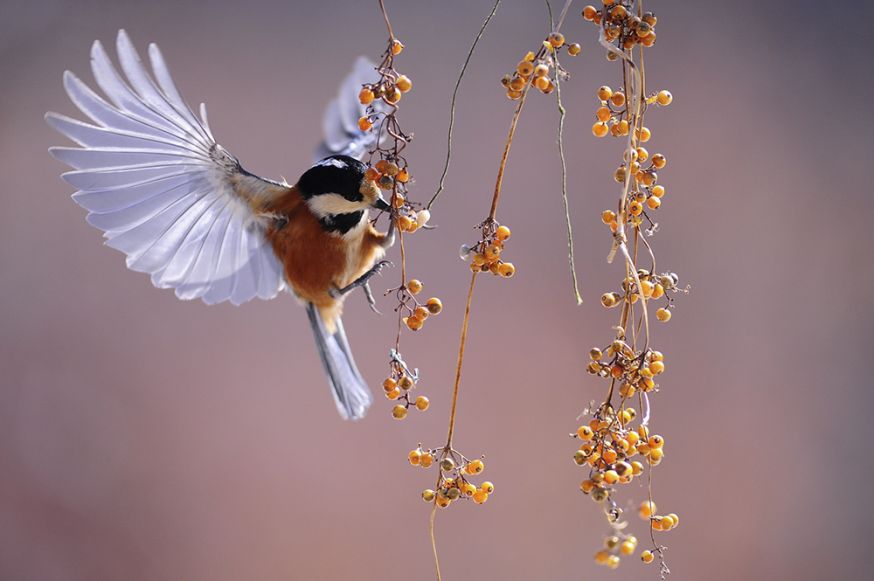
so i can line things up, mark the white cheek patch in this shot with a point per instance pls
(332, 204)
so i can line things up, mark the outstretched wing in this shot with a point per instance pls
(153, 178)
(340, 123)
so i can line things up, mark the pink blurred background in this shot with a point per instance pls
(142, 438)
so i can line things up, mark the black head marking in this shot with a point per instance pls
(337, 174)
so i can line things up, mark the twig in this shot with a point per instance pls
(564, 197)
(452, 104)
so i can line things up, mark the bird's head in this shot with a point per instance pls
(338, 193)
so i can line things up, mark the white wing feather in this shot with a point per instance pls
(162, 190)
(340, 122)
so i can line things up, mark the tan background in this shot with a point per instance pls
(142, 438)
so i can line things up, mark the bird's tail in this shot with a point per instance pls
(351, 393)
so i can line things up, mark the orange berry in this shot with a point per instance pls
(664, 98)
(364, 124)
(506, 269)
(608, 216)
(502, 233)
(659, 161)
(421, 312)
(399, 412)
(647, 557)
(396, 47)
(574, 49)
(413, 323)
(415, 457)
(605, 93)
(366, 96)
(589, 13)
(404, 223)
(647, 509)
(434, 305)
(653, 202)
(604, 114)
(475, 467)
(600, 129)
(556, 39)
(658, 191)
(422, 403)
(414, 286)
(404, 83)
(663, 315)
(389, 384)
(618, 99)
(480, 496)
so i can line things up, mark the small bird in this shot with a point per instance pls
(184, 210)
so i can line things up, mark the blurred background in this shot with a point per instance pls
(146, 439)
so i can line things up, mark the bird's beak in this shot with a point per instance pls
(381, 204)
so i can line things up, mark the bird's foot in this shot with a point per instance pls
(361, 281)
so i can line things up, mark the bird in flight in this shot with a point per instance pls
(184, 210)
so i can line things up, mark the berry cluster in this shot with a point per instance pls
(652, 287)
(390, 172)
(485, 255)
(617, 445)
(454, 479)
(622, 25)
(539, 69)
(399, 385)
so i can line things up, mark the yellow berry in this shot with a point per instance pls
(393, 394)
(502, 233)
(663, 315)
(541, 70)
(506, 269)
(608, 216)
(427, 460)
(415, 457)
(556, 39)
(658, 191)
(414, 286)
(585, 433)
(480, 496)
(644, 134)
(658, 292)
(434, 305)
(396, 47)
(604, 93)
(656, 367)
(366, 96)
(422, 403)
(442, 501)
(392, 96)
(659, 161)
(600, 129)
(627, 548)
(475, 467)
(647, 556)
(399, 412)
(404, 83)
(413, 323)
(525, 68)
(647, 509)
(635, 208)
(675, 518)
(653, 202)
(664, 98)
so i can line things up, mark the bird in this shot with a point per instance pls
(183, 209)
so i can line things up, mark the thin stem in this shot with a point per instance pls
(391, 33)
(434, 540)
(500, 181)
(452, 104)
(564, 10)
(464, 326)
(564, 197)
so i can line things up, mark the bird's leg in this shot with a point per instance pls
(368, 293)
(389, 239)
(361, 281)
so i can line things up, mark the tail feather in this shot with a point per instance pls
(351, 393)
